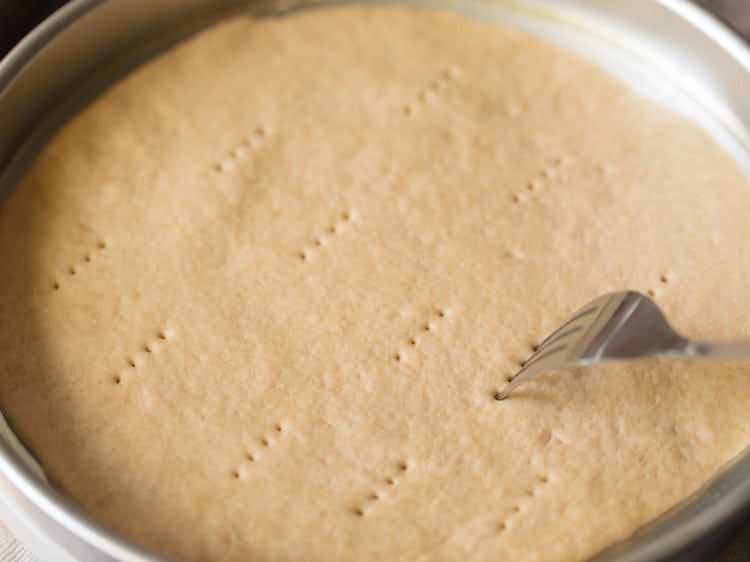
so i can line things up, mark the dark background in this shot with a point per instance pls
(18, 17)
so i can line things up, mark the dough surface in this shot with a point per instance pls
(257, 298)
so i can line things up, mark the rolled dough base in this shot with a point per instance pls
(257, 298)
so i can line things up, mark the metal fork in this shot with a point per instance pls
(616, 327)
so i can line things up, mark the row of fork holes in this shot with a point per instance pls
(332, 230)
(265, 442)
(414, 341)
(537, 183)
(435, 86)
(532, 492)
(389, 481)
(147, 348)
(241, 150)
(663, 280)
(87, 258)
(534, 347)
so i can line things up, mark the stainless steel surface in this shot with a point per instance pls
(671, 50)
(617, 327)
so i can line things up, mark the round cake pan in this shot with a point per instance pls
(670, 50)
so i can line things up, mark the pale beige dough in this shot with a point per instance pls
(257, 298)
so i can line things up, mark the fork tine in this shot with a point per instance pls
(555, 339)
(561, 333)
(533, 367)
(555, 344)
(541, 355)
(577, 316)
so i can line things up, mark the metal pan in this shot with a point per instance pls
(670, 50)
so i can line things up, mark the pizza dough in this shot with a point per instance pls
(256, 299)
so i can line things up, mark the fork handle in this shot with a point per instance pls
(717, 349)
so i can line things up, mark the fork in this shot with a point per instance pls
(616, 327)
